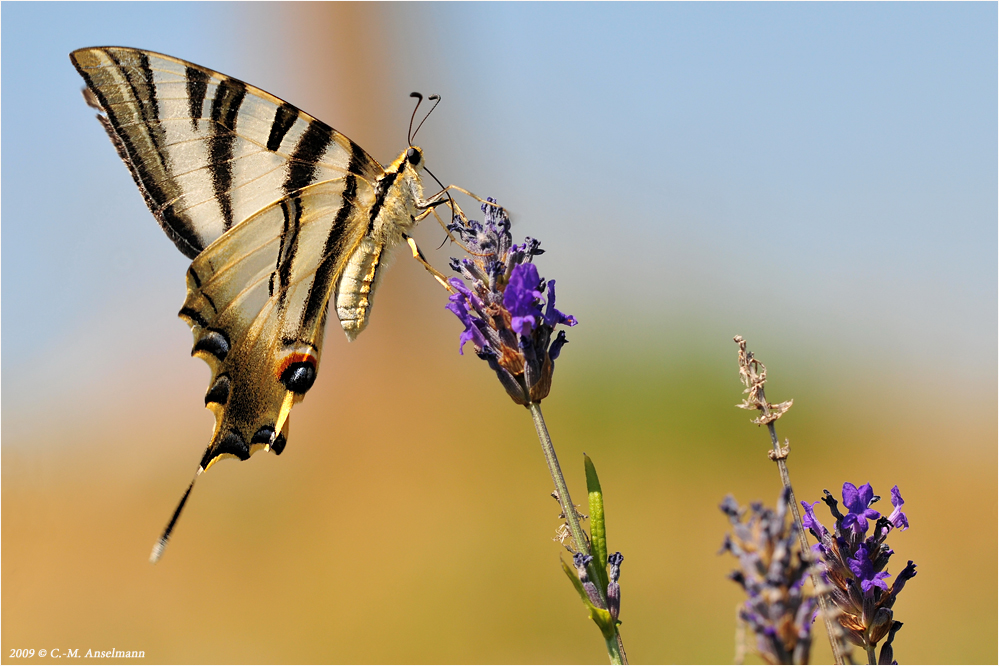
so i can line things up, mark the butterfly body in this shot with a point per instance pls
(279, 213)
(398, 203)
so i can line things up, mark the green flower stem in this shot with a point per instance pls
(615, 650)
(615, 646)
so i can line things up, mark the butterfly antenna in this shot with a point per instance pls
(436, 99)
(161, 543)
(409, 134)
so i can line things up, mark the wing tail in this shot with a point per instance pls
(161, 543)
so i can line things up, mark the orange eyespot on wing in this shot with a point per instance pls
(298, 372)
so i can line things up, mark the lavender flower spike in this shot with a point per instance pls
(508, 310)
(855, 566)
(773, 571)
(509, 315)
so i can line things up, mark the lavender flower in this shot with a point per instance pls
(854, 566)
(858, 501)
(508, 310)
(773, 572)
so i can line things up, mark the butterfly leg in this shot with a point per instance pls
(437, 198)
(418, 255)
(444, 196)
(429, 206)
(447, 232)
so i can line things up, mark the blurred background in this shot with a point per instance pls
(819, 178)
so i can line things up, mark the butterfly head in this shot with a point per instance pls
(414, 158)
(409, 162)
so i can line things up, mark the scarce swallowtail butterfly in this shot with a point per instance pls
(279, 213)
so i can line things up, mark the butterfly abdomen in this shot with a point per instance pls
(354, 293)
(391, 216)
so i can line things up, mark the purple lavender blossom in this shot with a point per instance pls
(854, 565)
(809, 520)
(864, 571)
(773, 572)
(858, 501)
(508, 310)
(521, 298)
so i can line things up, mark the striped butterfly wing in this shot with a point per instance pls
(268, 202)
(208, 151)
(257, 300)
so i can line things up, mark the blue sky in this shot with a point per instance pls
(819, 173)
(835, 160)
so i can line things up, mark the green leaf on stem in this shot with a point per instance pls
(598, 531)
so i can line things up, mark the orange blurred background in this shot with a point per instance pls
(409, 519)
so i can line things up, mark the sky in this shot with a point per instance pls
(808, 170)
(815, 171)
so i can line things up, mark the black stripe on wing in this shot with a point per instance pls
(139, 149)
(326, 273)
(310, 148)
(291, 210)
(225, 110)
(284, 118)
(197, 89)
(384, 185)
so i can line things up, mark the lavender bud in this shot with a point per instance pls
(613, 589)
(580, 561)
(887, 655)
(880, 625)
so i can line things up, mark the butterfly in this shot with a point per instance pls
(280, 215)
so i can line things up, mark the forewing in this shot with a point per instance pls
(209, 151)
(257, 302)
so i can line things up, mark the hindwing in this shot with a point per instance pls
(257, 302)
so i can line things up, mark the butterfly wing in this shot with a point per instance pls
(206, 150)
(257, 303)
(268, 202)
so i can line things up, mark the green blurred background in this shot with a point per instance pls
(818, 178)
